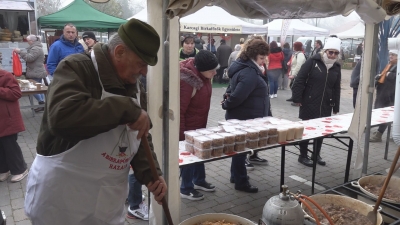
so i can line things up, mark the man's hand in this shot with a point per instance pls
(298, 104)
(17, 50)
(291, 77)
(158, 188)
(142, 125)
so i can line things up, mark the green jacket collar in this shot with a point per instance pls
(107, 73)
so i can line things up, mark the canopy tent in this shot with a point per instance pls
(296, 27)
(355, 31)
(82, 15)
(212, 19)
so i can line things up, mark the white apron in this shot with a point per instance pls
(87, 184)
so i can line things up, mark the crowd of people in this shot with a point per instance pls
(96, 110)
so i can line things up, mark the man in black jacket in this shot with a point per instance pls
(223, 53)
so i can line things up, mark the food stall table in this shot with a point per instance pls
(30, 93)
(327, 127)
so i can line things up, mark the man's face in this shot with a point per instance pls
(129, 66)
(89, 42)
(70, 33)
(316, 45)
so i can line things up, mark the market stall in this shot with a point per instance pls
(14, 28)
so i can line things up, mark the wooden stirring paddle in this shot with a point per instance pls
(155, 176)
(372, 216)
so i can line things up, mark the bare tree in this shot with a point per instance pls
(45, 7)
(112, 8)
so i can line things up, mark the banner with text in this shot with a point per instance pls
(210, 28)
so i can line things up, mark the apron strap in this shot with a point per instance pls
(101, 84)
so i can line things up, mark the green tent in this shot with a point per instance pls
(82, 15)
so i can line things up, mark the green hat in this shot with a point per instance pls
(142, 39)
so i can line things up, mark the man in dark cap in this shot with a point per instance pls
(94, 120)
(90, 40)
(195, 91)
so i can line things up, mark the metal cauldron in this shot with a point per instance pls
(377, 180)
(282, 209)
(213, 217)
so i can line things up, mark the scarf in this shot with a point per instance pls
(384, 72)
(262, 69)
(328, 62)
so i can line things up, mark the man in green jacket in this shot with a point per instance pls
(94, 118)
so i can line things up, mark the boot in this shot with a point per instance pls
(305, 161)
(319, 160)
(376, 137)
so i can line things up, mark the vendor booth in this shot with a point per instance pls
(82, 15)
(15, 20)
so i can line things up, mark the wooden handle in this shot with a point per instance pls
(387, 180)
(155, 176)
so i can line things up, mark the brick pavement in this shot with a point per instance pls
(225, 199)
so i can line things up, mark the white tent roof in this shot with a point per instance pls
(296, 27)
(356, 31)
(212, 19)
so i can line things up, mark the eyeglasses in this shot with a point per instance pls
(333, 52)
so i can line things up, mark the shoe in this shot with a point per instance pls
(257, 160)
(205, 187)
(140, 213)
(4, 176)
(294, 104)
(19, 177)
(271, 96)
(275, 95)
(41, 103)
(305, 161)
(289, 99)
(193, 195)
(247, 188)
(232, 180)
(40, 109)
(319, 160)
(376, 137)
(249, 166)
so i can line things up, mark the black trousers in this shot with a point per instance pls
(304, 146)
(11, 158)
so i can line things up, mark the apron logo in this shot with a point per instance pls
(122, 144)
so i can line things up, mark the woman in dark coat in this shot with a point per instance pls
(247, 98)
(317, 91)
(195, 92)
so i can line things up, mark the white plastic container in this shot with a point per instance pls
(202, 153)
(217, 151)
(282, 132)
(228, 138)
(217, 140)
(262, 131)
(240, 146)
(240, 136)
(202, 142)
(189, 147)
(252, 134)
(189, 136)
(299, 130)
(229, 148)
(253, 144)
(262, 142)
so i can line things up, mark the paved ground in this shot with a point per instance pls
(225, 199)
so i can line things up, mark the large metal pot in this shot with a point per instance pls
(377, 180)
(348, 202)
(217, 217)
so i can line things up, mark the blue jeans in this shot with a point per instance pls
(39, 97)
(273, 77)
(135, 192)
(238, 170)
(195, 174)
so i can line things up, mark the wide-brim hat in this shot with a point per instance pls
(142, 39)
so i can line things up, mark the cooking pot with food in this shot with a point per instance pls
(217, 217)
(338, 206)
(371, 185)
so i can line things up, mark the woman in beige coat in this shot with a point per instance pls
(34, 58)
(298, 59)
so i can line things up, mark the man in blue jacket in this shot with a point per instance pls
(67, 44)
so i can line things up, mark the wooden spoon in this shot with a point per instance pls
(372, 216)
(155, 176)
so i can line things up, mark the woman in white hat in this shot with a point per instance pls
(317, 91)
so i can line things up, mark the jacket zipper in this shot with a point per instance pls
(323, 94)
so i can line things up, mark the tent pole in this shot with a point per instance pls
(373, 29)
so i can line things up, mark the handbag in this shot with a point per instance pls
(225, 75)
(17, 65)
